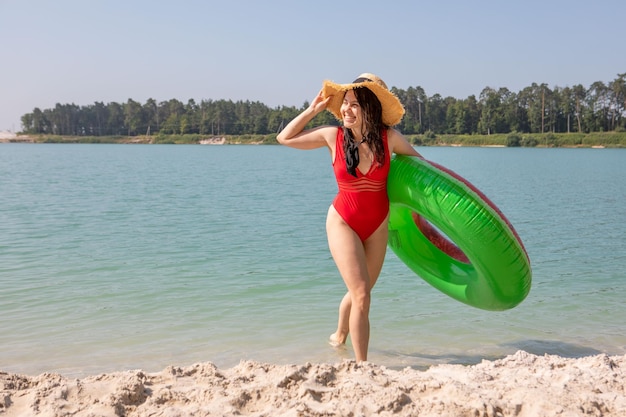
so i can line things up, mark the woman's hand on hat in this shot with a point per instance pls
(319, 103)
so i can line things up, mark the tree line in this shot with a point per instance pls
(535, 109)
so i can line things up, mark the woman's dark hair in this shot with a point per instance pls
(372, 128)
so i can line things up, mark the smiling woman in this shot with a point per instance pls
(356, 224)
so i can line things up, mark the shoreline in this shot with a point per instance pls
(561, 140)
(521, 385)
(222, 141)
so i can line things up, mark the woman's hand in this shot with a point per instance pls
(319, 103)
(294, 134)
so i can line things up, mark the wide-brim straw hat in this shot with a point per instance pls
(392, 107)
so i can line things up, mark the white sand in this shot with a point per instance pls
(521, 385)
(7, 135)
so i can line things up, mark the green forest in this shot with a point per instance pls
(538, 110)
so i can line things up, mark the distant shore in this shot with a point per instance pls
(546, 140)
(9, 137)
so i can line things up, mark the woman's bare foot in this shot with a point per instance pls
(334, 341)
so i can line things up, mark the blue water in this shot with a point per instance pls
(118, 257)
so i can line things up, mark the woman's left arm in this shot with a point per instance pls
(399, 144)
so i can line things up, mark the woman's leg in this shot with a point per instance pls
(375, 249)
(375, 256)
(339, 337)
(359, 264)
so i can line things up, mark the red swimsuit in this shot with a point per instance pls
(362, 200)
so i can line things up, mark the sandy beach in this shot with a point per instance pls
(522, 385)
(6, 137)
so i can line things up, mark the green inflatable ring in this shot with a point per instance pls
(454, 237)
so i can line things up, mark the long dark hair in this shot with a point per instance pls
(372, 129)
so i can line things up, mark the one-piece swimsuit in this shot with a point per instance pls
(361, 201)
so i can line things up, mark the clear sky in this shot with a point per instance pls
(278, 52)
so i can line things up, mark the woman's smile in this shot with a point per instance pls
(350, 110)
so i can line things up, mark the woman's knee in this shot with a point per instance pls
(361, 300)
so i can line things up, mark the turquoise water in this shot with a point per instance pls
(120, 257)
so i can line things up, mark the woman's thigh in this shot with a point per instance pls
(348, 252)
(375, 249)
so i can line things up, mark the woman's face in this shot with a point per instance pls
(351, 111)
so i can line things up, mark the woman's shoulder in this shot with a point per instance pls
(392, 136)
(328, 132)
(391, 132)
(399, 144)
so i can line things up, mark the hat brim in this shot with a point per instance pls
(392, 107)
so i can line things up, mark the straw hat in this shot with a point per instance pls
(392, 108)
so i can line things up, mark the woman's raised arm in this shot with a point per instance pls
(294, 135)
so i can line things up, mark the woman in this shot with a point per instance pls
(356, 224)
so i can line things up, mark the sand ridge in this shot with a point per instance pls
(521, 385)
